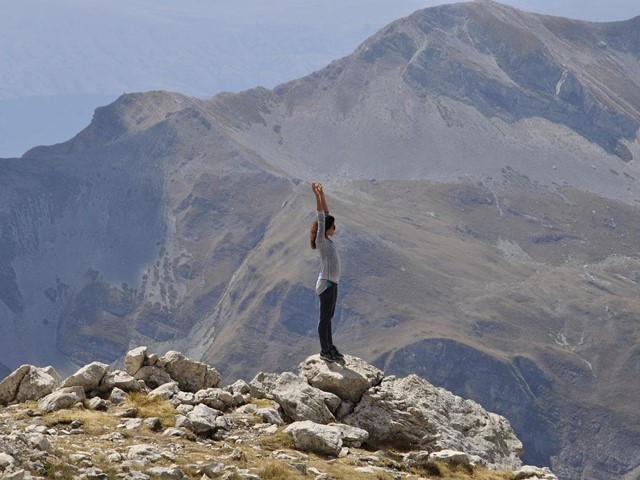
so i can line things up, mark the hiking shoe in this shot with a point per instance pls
(334, 351)
(328, 356)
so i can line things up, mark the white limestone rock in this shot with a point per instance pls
(215, 398)
(455, 457)
(120, 379)
(299, 400)
(202, 420)
(351, 436)
(97, 403)
(171, 473)
(270, 415)
(62, 398)
(9, 385)
(190, 374)
(534, 473)
(411, 412)
(239, 386)
(37, 383)
(135, 359)
(40, 442)
(7, 461)
(88, 377)
(165, 391)
(313, 437)
(348, 381)
(153, 376)
(144, 454)
(118, 396)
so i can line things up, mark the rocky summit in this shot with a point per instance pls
(167, 417)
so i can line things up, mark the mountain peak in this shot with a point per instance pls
(499, 61)
(130, 114)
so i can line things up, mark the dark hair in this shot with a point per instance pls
(329, 220)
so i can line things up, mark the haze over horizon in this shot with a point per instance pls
(76, 56)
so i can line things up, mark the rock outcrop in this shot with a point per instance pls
(411, 412)
(329, 409)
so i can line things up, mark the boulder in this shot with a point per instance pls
(454, 457)
(186, 398)
(417, 459)
(144, 454)
(53, 373)
(190, 374)
(270, 415)
(312, 437)
(170, 473)
(202, 420)
(534, 473)
(118, 396)
(88, 377)
(97, 403)
(165, 391)
(9, 385)
(135, 359)
(325, 439)
(153, 376)
(239, 386)
(119, 379)
(40, 442)
(351, 436)
(348, 381)
(7, 461)
(411, 413)
(65, 397)
(35, 384)
(153, 423)
(299, 400)
(215, 398)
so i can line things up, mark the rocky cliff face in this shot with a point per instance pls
(482, 163)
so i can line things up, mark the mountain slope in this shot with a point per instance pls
(482, 166)
(462, 88)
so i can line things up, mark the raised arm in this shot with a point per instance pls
(317, 190)
(321, 202)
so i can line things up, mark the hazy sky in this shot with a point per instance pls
(200, 47)
(62, 58)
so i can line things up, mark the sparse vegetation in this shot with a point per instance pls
(264, 403)
(277, 441)
(91, 421)
(273, 470)
(248, 449)
(153, 407)
(465, 472)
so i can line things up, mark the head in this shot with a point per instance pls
(329, 225)
(329, 229)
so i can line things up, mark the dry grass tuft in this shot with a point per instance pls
(277, 441)
(264, 403)
(93, 422)
(274, 470)
(340, 470)
(460, 472)
(153, 407)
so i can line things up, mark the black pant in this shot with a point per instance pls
(327, 309)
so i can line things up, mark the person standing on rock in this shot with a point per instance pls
(327, 285)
